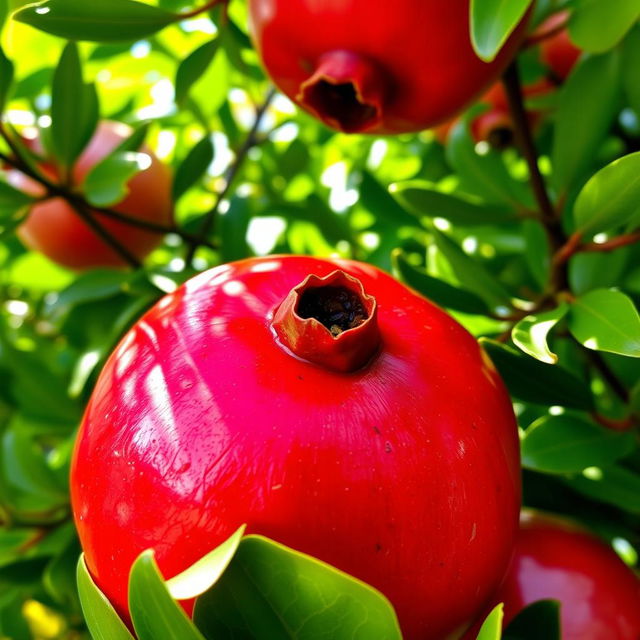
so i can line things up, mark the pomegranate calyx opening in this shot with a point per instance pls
(330, 321)
(346, 92)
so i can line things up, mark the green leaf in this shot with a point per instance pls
(101, 618)
(270, 592)
(438, 291)
(530, 334)
(202, 575)
(598, 26)
(4, 12)
(539, 620)
(611, 198)
(565, 444)
(74, 108)
(376, 199)
(6, 77)
(492, 627)
(421, 199)
(492, 22)
(106, 183)
(96, 21)
(96, 284)
(193, 167)
(630, 66)
(155, 614)
(587, 106)
(612, 485)
(191, 69)
(471, 273)
(606, 320)
(537, 251)
(533, 381)
(11, 201)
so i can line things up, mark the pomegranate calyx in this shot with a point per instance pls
(330, 321)
(346, 92)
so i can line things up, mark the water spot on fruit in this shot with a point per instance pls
(376, 430)
(300, 378)
(275, 487)
(387, 447)
(185, 467)
(378, 547)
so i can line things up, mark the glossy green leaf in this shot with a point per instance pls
(6, 77)
(471, 273)
(606, 320)
(630, 66)
(421, 199)
(207, 571)
(270, 592)
(96, 284)
(530, 334)
(492, 21)
(376, 199)
(611, 198)
(155, 614)
(193, 167)
(106, 183)
(613, 485)
(97, 21)
(587, 106)
(533, 381)
(191, 69)
(74, 108)
(492, 627)
(101, 618)
(438, 291)
(4, 12)
(598, 26)
(539, 620)
(537, 253)
(566, 444)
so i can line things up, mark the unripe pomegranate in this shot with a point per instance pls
(56, 230)
(599, 595)
(327, 406)
(371, 66)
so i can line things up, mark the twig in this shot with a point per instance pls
(610, 377)
(548, 215)
(611, 245)
(232, 172)
(198, 10)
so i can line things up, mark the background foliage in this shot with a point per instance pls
(550, 286)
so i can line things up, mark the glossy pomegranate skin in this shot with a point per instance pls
(412, 60)
(55, 229)
(404, 473)
(555, 559)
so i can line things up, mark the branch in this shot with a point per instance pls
(614, 243)
(609, 376)
(548, 215)
(198, 10)
(232, 172)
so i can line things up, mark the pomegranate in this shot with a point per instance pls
(599, 595)
(327, 406)
(371, 66)
(55, 229)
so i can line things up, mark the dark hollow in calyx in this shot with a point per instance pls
(340, 102)
(337, 308)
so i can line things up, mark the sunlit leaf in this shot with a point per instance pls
(530, 334)
(598, 26)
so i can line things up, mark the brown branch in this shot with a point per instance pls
(198, 10)
(232, 172)
(611, 245)
(524, 138)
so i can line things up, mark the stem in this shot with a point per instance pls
(524, 138)
(232, 172)
(609, 376)
(614, 243)
(198, 10)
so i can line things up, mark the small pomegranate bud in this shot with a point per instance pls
(330, 321)
(346, 92)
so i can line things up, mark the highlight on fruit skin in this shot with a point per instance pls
(401, 470)
(557, 559)
(56, 230)
(365, 66)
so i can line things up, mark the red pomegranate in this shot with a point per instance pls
(556, 50)
(57, 231)
(326, 405)
(599, 595)
(371, 66)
